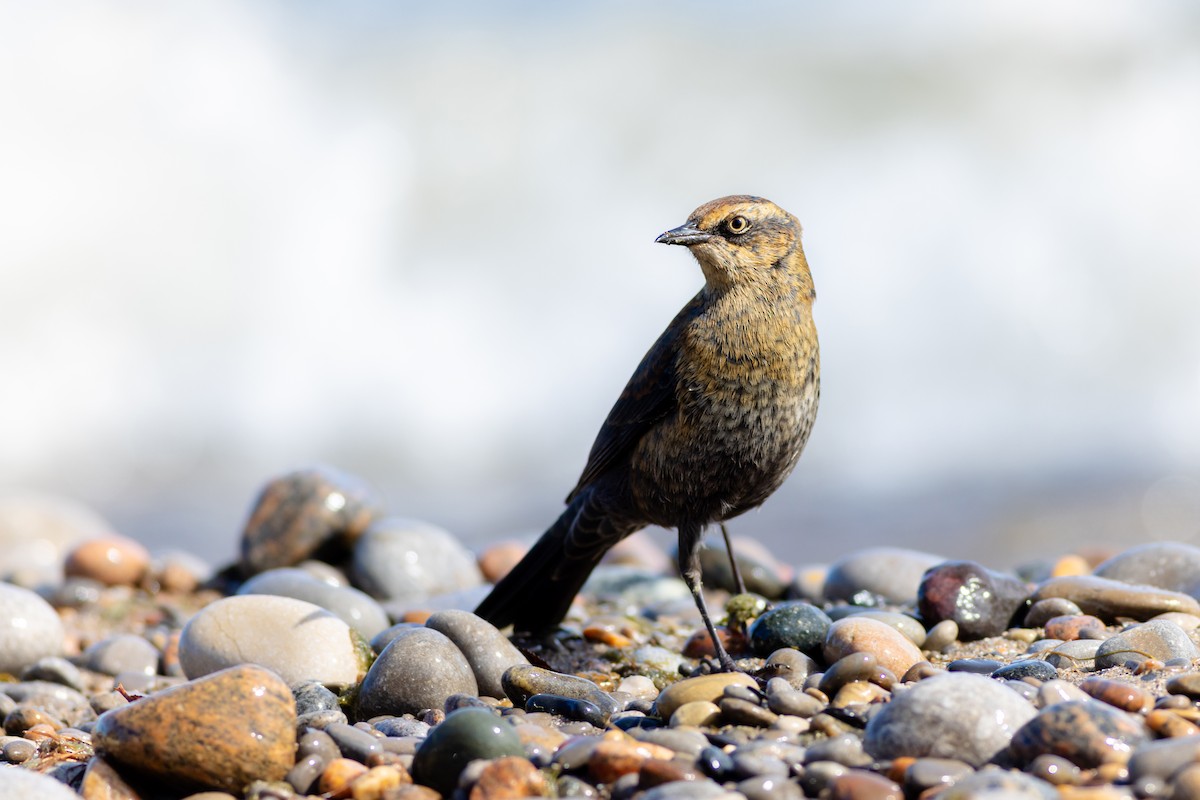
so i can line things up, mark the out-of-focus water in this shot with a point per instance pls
(417, 243)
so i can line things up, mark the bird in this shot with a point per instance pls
(711, 423)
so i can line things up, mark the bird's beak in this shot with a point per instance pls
(686, 234)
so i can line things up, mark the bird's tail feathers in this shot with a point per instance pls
(536, 594)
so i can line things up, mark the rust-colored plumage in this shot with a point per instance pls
(711, 423)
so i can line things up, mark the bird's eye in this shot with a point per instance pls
(737, 225)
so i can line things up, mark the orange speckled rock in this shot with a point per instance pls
(221, 731)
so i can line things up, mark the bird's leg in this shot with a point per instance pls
(689, 568)
(733, 565)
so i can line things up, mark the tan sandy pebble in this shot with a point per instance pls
(697, 713)
(705, 687)
(112, 560)
(509, 778)
(496, 561)
(864, 635)
(377, 782)
(336, 779)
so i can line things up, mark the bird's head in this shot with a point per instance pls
(742, 238)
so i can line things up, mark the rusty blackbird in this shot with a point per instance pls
(711, 423)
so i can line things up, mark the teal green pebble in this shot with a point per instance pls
(464, 736)
(798, 625)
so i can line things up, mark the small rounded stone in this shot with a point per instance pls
(1157, 639)
(798, 625)
(890, 573)
(417, 671)
(705, 687)
(861, 635)
(111, 560)
(1026, 668)
(30, 629)
(488, 651)
(407, 560)
(122, 652)
(1088, 733)
(939, 638)
(464, 736)
(1043, 611)
(523, 681)
(955, 715)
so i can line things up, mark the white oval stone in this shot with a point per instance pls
(293, 638)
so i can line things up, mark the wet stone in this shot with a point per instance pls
(710, 688)
(569, 707)
(307, 513)
(1075, 626)
(55, 670)
(1155, 762)
(1087, 733)
(968, 717)
(1110, 599)
(790, 665)
(1118, 694)
(737, 711)
(941, 636)
(861, 635)
(892, 574)
(312, 697)
(797, 625)
(855, 667)
(1026, 668)
(911, 628)
(859, 784)
(996, 783)
(981, 601)
(926, 773)
(770, 787)
(524, 681)
(417, 671)
(221, 750)
(1043, 611)
(488, 651)
(1156, 639)
(1054, 770)
(975, 666)
(1187, 684)
(354, 742)
(464, 736)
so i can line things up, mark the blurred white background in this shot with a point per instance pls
(416, 241)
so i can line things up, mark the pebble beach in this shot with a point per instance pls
(335, 656)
